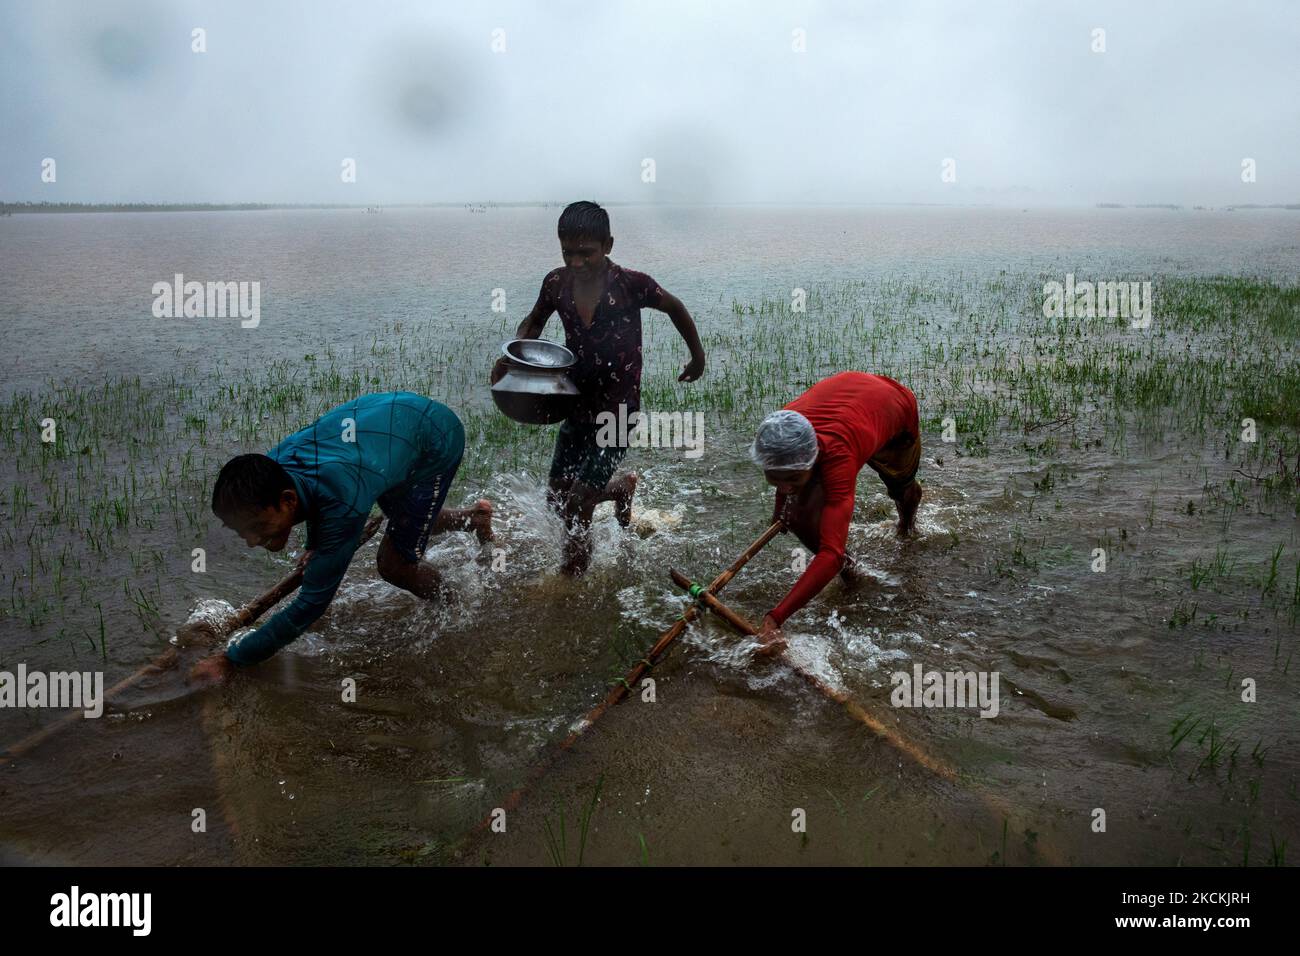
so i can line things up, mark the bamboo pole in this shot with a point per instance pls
(245, 616)
(620, 690)
(855, 710)
(918, 754)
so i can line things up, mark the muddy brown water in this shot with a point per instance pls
(456, 704)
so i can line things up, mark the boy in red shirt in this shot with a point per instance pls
(812, 451)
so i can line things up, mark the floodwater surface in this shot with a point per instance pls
(1147, 708)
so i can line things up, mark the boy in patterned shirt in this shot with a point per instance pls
(600, 306)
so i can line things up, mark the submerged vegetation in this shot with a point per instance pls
(101, 523)
(130, 467)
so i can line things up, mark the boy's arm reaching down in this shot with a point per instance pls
(840, 481)
(320, 580)
(533, 324)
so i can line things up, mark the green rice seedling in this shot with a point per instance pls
(103, 638)
(1258, 753)
(1182, 615)
(145, 610)
(556, 836)
(1294, 610)
(627, 647)
(1180, 730)
(586, 817)
(1198, 574)
(1277, 850)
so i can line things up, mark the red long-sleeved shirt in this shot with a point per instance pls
(854, 415)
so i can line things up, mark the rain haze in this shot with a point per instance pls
(733, 102)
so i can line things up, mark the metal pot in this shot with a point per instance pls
(536, 388)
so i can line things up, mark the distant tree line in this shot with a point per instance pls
(8, 208)
(1157, 205)
(12, 207)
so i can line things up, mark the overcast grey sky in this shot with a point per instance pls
(713, 92)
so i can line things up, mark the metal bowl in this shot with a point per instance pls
(538, 353)
(535, 388)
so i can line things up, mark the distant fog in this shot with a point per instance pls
(956, 102)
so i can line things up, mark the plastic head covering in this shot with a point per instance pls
(785, 441)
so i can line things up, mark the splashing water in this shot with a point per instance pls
(645, 521)
(210, 618)
(521, 564)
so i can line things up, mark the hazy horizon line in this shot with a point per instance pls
(140, 206)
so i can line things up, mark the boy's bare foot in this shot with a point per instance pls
(623, 493)
(419, 577)
(577, 555)
(476, 518)
(481, 520)
(907, 506)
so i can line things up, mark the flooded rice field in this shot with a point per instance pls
(1102, 527)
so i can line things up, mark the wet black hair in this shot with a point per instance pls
(249, 483)
(584, 220)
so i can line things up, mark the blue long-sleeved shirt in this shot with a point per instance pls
(396, 437)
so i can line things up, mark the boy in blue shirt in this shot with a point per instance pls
(399, 450)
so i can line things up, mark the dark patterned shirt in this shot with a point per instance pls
(608, 371)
